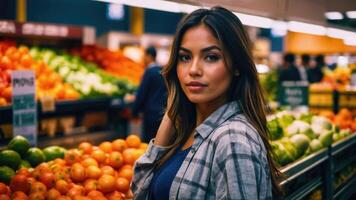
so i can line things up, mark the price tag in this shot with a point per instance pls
(48, 103)
(7, 27)
(24, 105)
(293, 93)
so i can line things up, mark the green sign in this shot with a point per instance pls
(24, 107)
(293, 93)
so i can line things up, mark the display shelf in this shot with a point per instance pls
(63, 108)
(305, 190)
(298, 168)
(338, 147)
(346, 190)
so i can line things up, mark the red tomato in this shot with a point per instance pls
(48, 179)
(77, 172)
(19, 183)
(4, 189)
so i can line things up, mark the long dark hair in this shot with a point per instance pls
(244, 88)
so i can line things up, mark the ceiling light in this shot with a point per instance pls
(306, 28)
(338, 33)
(351, 41)
(279, 28)
(351, 14)
(334, 15)
(251, 20)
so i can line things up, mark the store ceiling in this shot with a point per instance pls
(311, 11)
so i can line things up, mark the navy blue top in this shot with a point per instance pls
(151, 96)
(163, 178)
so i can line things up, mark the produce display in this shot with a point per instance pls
(113, 62)
(293, 137)
(85, 77)
(48, 83)
(88, 172)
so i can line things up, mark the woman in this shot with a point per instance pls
(212, 142)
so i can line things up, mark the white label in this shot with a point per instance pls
(7, 27)
(24, 106)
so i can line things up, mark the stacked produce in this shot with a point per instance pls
(343, 118)
(88, 172)
(86, 78)
(48, 83)
(113, 62)
(293, 137)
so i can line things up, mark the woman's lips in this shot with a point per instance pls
(195, 86)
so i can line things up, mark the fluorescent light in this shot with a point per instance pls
(334, 15)
(338, 33)
(351, 41)
(351, 14)
(306, 28)
(279, 28)
(251, 20)
(161, 5)
(262, 69)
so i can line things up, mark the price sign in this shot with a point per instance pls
(293, 93)
(24, 105)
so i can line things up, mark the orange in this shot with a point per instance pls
(106, 147)
(126, 173)
(106, 183)
(98, 155)
(53, 194)
(93, 172)
(115, 159)
(7, 94)
(72, 156)
(86, 147)
(144, 146)
(129, 156)
(114, 196)
(90, 185)
(37, 196)
(122, 184)
(107, 170)
(133, 141)
(119, 145)
(89, 162)
(62, 186)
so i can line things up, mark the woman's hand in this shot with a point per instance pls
(166, 132)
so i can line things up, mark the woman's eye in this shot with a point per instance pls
(212, 58)
(184, 58)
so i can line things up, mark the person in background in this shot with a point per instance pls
(305, 65)
(212, 142)
(315, 73)
(151, 96)
(289, 71)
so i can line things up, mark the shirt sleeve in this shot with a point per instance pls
(143, 170)
(238, 171)
(142, 92)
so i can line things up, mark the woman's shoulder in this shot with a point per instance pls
(238, 132)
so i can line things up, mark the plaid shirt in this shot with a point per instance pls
(227, 161)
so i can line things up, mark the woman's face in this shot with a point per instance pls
(201, 69)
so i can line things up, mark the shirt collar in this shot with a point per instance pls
(217, 117)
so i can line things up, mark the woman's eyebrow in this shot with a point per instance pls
(206, 49)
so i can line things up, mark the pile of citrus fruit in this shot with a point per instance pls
(89, 172)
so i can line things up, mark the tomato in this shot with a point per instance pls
(4, 197)
(77, 172)
(108, 170)
(90, 184)
(19, 195)
(24, 171)
(53, 194)
(89, 162)
(72, 156)
(115, 159)
(4, 189)
(64, 198)
(93, 172)
(106, 183)
(19, 183)
(62, 186)
(74, 191)
(94, 194)
(38, 187)
(37, 196)
(48, 179)
(86, 147)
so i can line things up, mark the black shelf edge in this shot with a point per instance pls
(345, 163)
(297, 168)
(70, 107)
(343, 144)
(346, 189)
(305, 190)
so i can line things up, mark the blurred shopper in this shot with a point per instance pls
(315, 73)
(151, 96)
(305, 65)
(212, 142)
(289, 71)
